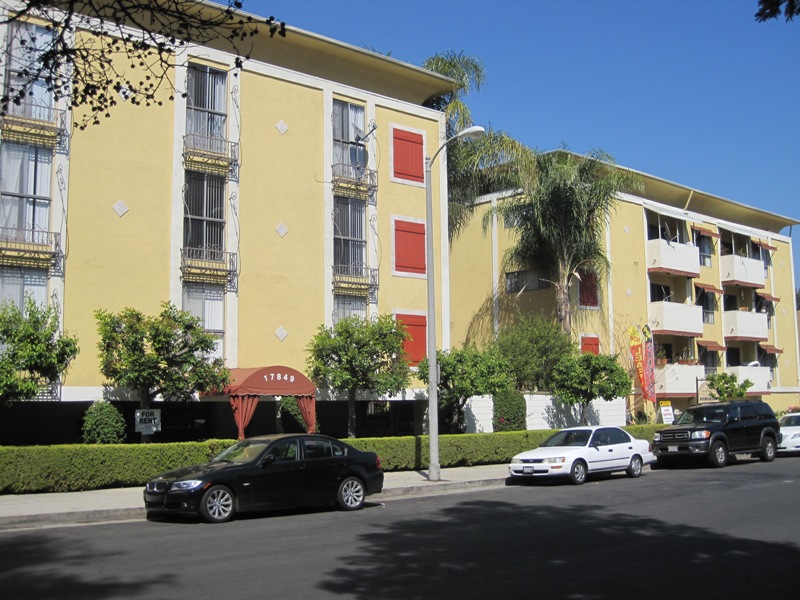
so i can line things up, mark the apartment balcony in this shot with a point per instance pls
(740, 270)
(355, 180)
(760, 376)
(29, 247)
(212, 154)
(678, 381)
(673, 318)
(745, 325)
(32, 123)
(355, 278)
(671, 257)
(208, 264)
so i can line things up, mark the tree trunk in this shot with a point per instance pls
(563, 308)
(351, 413)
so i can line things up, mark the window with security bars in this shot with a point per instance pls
(588, 290)
(345, 306)
(26, 44)
(204, 216)
(349, 151)
(18, 282)
(206, 107)
(206, 301)
(25, 186)
(349, 236)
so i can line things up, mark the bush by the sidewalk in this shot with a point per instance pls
(67, 468)
(103, 424)
(509, 411)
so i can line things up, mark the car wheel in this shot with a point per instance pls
(767, 450)
(718, 455)
(577, 474)
(635, 468)
(217, 504)
(351, 494)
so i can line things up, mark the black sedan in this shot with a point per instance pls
(265, 472)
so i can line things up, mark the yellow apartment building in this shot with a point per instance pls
(712, 278)
(271, 199)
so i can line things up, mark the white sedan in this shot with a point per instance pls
(790, 433)
(578, 451)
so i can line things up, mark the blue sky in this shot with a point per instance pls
(693, 91)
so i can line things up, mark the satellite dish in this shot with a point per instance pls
(360, 136)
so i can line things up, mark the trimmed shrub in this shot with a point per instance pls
(103, 424)
(509, 411)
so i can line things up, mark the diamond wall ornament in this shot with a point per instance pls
(281, 126)
(282, 229)
(281, 333)
(120, 208)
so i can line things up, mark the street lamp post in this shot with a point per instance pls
(433, 366)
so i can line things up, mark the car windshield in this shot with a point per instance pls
(570, 437)
(702, 414)
(790, 421)
(242, 452)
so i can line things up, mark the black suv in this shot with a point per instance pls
(717, 430)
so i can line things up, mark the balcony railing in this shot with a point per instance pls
(672, 257)
(674, 318)
(355, 276)
(740, 270)
(211, 153)
(207, 264)
(29, 243)
(678, 380)
(745, 325)
(355, 179)
(760, 376)
(34, 123)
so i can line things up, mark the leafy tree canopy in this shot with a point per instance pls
(33, 352)
(726, 386)
(771, 9)
(533, 346)
(359, 354)
(580, 379)
(463, 373)
(169, 354)
(129, 51)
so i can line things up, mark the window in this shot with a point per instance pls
(345, 306)
(16, 283)
(709, 304)
(204, 216)
(706, 247)
(25, 180)
(26, 45)
(733, 357)
(524, 281)
(659, 293)
(416, 344)
(206, 301)
(587, 290)
(206, 107)
(407, 151)
(709, 359)
(409, 247)
(766, 258)
(349, 238)
(349, 152)
(590, 344)
(315, 449)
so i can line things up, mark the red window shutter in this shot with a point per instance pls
(408, 159)
(409, 247)
(590, 345)
(588, 289)
(416, 345)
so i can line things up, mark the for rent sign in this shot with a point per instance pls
(148, 421)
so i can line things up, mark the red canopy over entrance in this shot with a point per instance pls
(248, 384)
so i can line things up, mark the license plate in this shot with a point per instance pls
(672, 448)
(527, 469)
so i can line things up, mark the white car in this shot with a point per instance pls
(790, 433)
(579, 451)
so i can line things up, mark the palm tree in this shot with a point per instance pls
(474, 167)
(560, 216)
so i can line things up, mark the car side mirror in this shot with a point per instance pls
(268, 460)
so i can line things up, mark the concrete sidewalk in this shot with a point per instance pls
(39, 510)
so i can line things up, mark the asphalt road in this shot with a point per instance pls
(690, 533)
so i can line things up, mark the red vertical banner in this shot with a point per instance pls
(649, 371)
(637, 352)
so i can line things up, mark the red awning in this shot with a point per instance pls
(765, 245)
(767, 296)
(705, 231)
(770, 349)
(711, 346)
(270, 381)
(707, 287)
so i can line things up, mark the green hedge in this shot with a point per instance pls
(31, 469)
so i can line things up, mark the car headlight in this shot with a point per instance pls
(657, 436)
(554, 459)
(190, 484)
(516, 461)
(701, 435)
